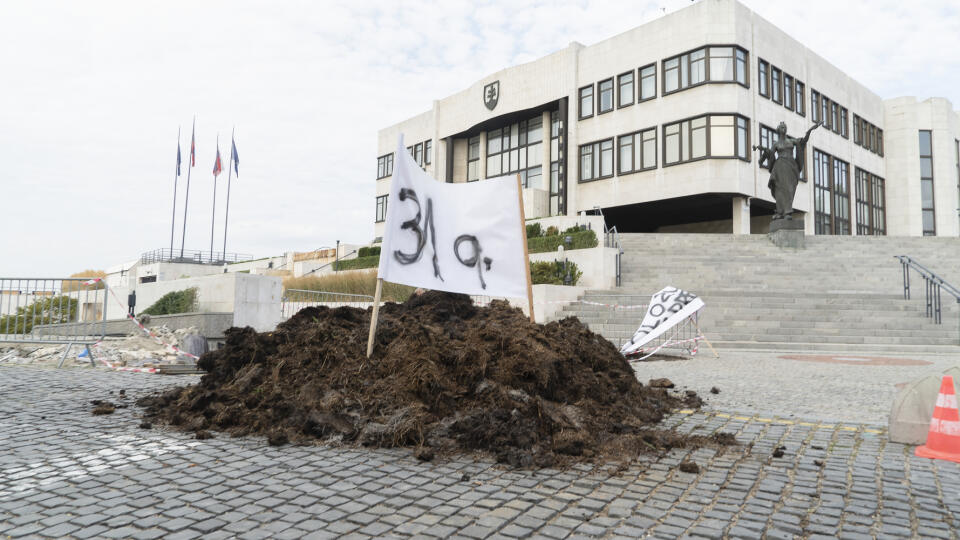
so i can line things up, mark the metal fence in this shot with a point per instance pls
(296, 299)
(192, 257)
(53, 311)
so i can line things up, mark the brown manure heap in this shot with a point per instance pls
(445, 377)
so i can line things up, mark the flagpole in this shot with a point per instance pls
(226, 217)
(213, 220)
(186, 200)
(176, 177)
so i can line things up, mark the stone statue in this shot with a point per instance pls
(784, 168)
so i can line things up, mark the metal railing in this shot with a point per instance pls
(192, 257)
(296, 299)
(333, 263)
(934, 286)
(611, 239)
(53, 311)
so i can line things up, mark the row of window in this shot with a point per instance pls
(832, 114)
(385, 166)
(382, 208)
(867, 135)
(831, 194)
(926, 183)
(701, 137)
(517, 148)
(422, 152)
(712, 64)
(781, 87)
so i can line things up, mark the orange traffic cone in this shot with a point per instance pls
(943, 440)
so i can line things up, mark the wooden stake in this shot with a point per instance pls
(526, 251)
(373, 317)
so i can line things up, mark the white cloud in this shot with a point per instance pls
(92, 94)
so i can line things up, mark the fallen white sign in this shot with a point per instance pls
(463, 237)
(667, 308)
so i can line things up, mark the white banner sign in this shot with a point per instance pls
(463, 237)
(667, 308)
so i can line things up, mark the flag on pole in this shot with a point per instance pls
(193, 150)
(236, 159)
(217, 165)
(178, 158)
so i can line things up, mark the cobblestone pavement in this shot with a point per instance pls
(770, 382)
(66, 473)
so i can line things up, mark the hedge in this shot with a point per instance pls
(369, 261)
(174, 302)
(579, 240)
(552, 273)
(368, 251)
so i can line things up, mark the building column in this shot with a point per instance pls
(448, 160)
(741, 215)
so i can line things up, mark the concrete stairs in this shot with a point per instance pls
(839, 294)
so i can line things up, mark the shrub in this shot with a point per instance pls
(534, 230)
(575, 229)
(174, 302)
(69, 286)
(370, 261)
(51, 310)
(578, 240)
(552, 231)
(552, 273)
(351, 283)
(368, 251)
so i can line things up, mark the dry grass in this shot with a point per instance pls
(355, 282)
(69, 286)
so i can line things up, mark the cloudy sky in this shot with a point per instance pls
(92, 94)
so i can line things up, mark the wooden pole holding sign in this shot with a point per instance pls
(373, 316)
(526, 251)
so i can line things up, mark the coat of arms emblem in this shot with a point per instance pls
(491, 94)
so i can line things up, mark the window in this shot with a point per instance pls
(586, 102)
(382, 208)
(708, 64)
(605, 89)
(713, 136)
(856, 129)
(831, 194)
(420, 153)
(834, 117)
(637, 151)
(556, 151)
(880, 142)
(815, 106)
(384, 166)
(517, 148)
(801, 99)
(844, 127)
(473, 158)
(427, 152)
(596, 160)
(926, 183)
(625, 89)
(648, 82)
(776, 92)
(788, 91)
(763, 74)
(871, 213)
(825, 111)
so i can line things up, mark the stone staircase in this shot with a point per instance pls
(840, 294)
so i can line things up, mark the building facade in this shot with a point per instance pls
(656, 128)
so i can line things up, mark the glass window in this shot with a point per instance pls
(825, 111)
(494, 141)
(742, 138)
(788, 91)
(586, 101)
(775, 90)
(831, 194)
(671, 75)
(596, 160)
(418, 154)
(605, 89)
(649, 138)
(625, 94)
(648, 82)
(384, 166)
(721, 64)
(926, 183)
(606, 158)
(625, 154)
(763, 74)
(801, 99)
(815, 106)
(428, 152)
(834, 117)
(698, 138)
(671, 144)
(722, 139)
(698, 66)
(713, 136)
(856, 129)
(381, 208)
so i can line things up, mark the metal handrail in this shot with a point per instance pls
(933, 286)
(329, 263)
(192, 257)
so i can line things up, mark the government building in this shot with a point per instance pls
(655, 128)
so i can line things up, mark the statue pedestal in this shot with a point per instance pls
(787, 233)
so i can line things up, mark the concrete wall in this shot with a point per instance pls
(171, 271)
(548, 301)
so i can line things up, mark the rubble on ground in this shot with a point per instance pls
(445, 377)
(139, 350)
